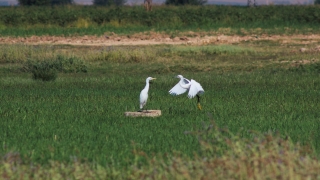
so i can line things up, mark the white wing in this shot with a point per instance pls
(177, 89)
(195, 89)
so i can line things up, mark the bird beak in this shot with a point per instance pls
(153, 78)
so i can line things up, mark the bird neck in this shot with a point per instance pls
(147, 85)
(183, 85)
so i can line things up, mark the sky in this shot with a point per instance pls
(219, 2)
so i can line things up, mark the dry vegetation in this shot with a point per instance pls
(153, 38)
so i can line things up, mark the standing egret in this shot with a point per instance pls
(144, 94)
(195, 89)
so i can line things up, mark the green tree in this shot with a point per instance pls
(43, 2)
(185, 2)
(61, 2)
(119, 2)
(109, 2)
(316, 1)
(34, 2)
(102, 2)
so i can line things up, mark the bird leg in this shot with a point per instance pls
(143, 110)
(199, 105)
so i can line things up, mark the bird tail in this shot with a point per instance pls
(199, 106)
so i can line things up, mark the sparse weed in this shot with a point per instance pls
(21, 53)
(210, 50)
(47, 69)
(124, 55)
(44, 70)
(313, 67)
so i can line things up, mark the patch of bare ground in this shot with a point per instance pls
(298, 63)
(153, 38)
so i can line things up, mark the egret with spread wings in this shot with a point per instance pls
(195, 89)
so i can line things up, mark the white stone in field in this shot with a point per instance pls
(303, 49)
(144, 113)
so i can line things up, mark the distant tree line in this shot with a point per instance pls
(185, 2)
(119, 2)
(103, 2)
(66, 2)
(109, 2)
(44, 2)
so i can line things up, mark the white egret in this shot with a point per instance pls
(144, 94)
(195, 89)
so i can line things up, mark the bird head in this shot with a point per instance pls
(179, 76)
(150, 79)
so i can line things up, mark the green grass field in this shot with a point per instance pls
(251, 86)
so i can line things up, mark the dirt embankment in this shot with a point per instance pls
(155, 38)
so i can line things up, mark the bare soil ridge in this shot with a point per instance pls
(156, 38)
